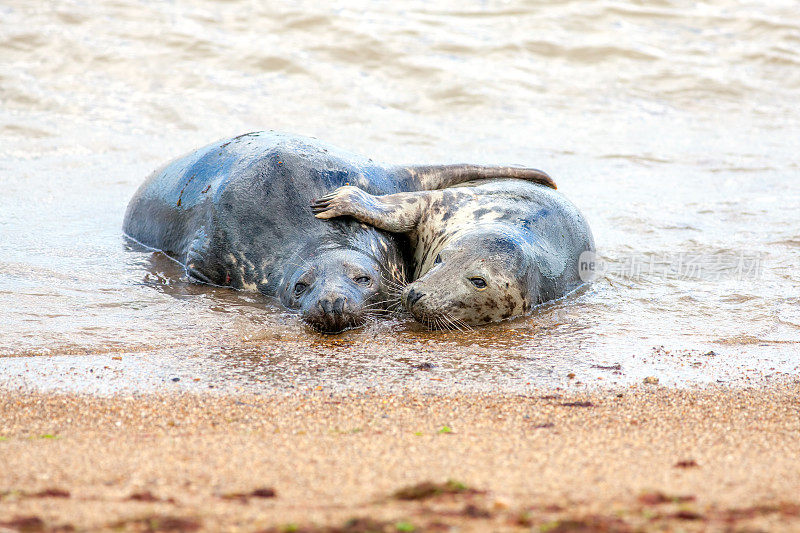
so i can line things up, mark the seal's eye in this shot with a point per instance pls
(363, 280)
(300, 287)
(479, 283)
(438, 259)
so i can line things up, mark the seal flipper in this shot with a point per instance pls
(200, 264)
(432, 177)
(397, 213)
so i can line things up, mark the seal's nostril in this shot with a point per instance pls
(338, 305)
(413, 296)
(325, 305)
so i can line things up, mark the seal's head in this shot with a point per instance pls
(481, 276)
(337, 288)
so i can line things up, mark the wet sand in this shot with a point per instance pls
(641, 457)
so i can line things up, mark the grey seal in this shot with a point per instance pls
(483, 252)
(235, 213)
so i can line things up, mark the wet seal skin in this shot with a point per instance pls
(483, 251)
(235, 214)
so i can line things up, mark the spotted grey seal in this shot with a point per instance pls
(482, 253)
(235, 213)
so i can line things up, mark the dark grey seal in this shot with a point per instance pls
(482, 253)
(235, 213)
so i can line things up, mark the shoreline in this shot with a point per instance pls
(613, 460)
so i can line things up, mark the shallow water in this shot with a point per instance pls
(674, 126)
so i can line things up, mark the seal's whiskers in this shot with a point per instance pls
(452, 322)
(379, 304)
(394, 283)
(462, 326)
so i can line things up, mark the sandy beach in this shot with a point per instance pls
(639, 458)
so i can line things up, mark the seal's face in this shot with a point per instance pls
(334, 290)
(480, 277)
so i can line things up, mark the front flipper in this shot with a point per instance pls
(397, 213)
(201, 264)
(432, 177)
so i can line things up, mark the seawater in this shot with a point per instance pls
(673, 125)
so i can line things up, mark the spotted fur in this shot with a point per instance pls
(522, 240)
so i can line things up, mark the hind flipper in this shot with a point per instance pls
(432, 177)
